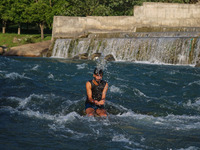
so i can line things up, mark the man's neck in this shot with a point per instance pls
(95, 82)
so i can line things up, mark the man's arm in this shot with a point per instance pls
(102, 101)
(104, 92)
(89, 92)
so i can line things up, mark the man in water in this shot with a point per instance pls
(96, 94)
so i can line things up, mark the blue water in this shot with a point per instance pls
(150, 106)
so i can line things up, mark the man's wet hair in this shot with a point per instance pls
(98, 71)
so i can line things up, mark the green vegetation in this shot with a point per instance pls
(10, 40)
(39, 13)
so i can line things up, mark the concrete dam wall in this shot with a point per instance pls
(158, 33)
(148, 17)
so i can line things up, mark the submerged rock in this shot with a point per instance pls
(197, 64)
(81, 56)
(95, 56)
(84, 56)
(198, 61)
(110, 57)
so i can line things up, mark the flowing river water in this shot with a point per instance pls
(150, 106)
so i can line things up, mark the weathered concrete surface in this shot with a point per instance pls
(168, 14)
(81, 26)
(29, 50)
(148, 17)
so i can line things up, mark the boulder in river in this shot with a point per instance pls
(110, 57)
(95, 56)
(81, 56)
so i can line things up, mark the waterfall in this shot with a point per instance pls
(172, 50)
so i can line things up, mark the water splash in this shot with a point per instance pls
(101, 63)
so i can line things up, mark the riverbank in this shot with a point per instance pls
(10, 39)
(29, 45)
(29, 50)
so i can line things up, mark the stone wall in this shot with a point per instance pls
(81, 26)
(148, 17)
(168, 14)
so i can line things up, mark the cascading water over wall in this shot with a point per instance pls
(172, 50)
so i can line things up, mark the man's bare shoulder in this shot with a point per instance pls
(88, 84)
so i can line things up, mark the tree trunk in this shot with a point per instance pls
(3, 30)
(19, 29)
(4, 27)
(50, 3)
(42, 30)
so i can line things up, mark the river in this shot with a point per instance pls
(150, 106)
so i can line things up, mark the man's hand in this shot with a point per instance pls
(101, 102)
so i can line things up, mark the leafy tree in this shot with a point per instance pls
(123, 7)
(17, 14)
(58, 8)
(39, 12)
(87, 8)
(5, 15)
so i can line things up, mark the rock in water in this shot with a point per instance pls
(81, 56)
(110, 57)
(84, 56)
(95, 56)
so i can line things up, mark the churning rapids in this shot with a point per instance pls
(150, 106)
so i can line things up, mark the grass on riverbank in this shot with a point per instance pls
(11, 39)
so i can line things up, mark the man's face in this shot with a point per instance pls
(98, 77)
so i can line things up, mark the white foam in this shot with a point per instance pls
(23, 102)
(161, 63)
(172, 82)
(15, 75)
(115, 89)
(119, 107)
(73, 134)
(58, 118)
(190, 148)
(195, 105)
(29, 113)
(154, 84)
(35, 68)
(138, 92)
(69, 117)
(121, 79)
(195, 82)
(51, 76)
(81, 66)
(183, 122)
(8, 108)
(14, 99)
(38, 114)
(174, 122)
(2, 71)
(121, 138)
